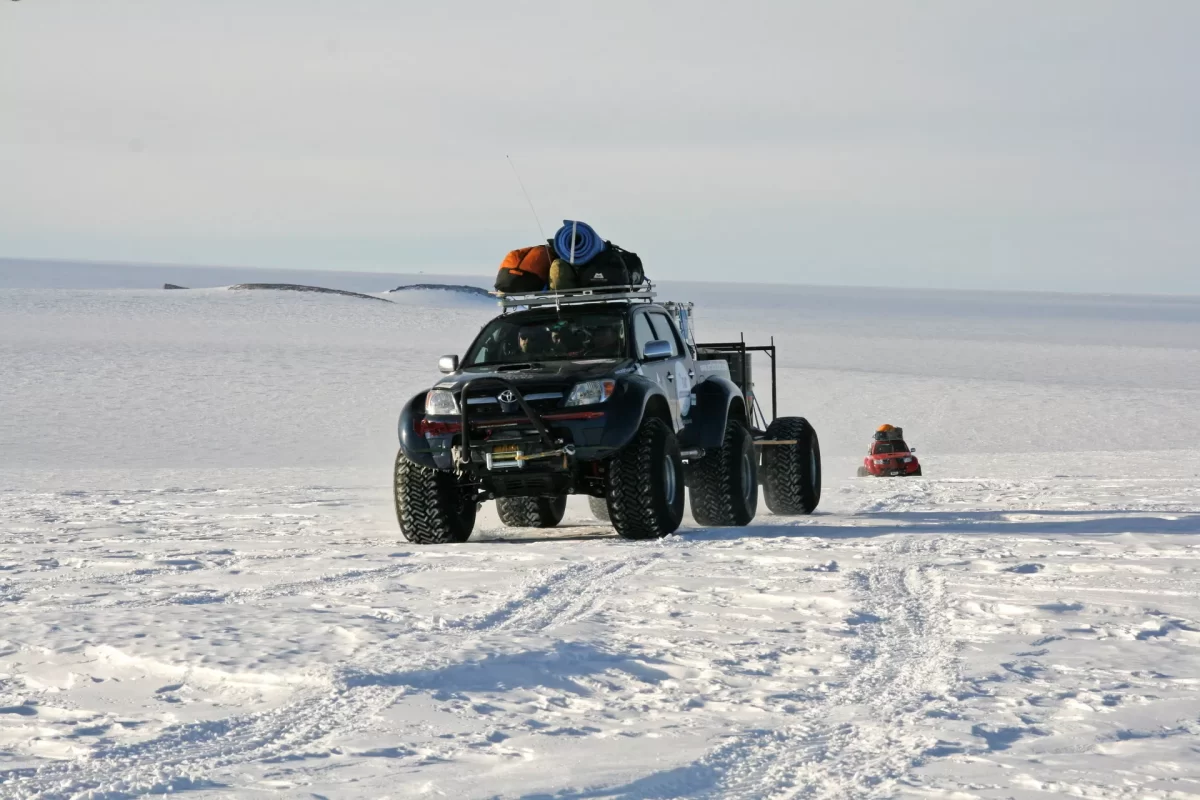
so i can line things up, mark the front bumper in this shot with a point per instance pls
(518, 450)
(518, 438)
(508, 443)
(891, 470)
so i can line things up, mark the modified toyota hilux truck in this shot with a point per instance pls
(603, 393)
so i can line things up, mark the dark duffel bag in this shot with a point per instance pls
(517, 282)
(615, 266)
(524, 270)
(632, 263)
(606, 269)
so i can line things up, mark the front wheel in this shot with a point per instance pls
(863, 472)
(792, 480)
(431, 506)
(723, 485)
(531, 512)
(645, 484)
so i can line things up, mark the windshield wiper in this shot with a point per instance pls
(508, 365)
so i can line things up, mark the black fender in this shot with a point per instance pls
(717, 399)
(412, 444)
(625, 410)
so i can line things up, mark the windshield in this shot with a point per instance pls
(517, 339)
(897, 446)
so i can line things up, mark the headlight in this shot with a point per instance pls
(590, 392)
(879, 461)
(908, 459)
(440, 401)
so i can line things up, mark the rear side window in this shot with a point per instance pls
(642, 333)
(665, 331)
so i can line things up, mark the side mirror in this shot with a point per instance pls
(448, 364)
(657, 350)
(912, 449)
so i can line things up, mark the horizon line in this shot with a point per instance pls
(874, 287)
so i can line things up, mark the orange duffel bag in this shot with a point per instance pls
(524, 270)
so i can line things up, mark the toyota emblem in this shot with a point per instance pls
(507, 396)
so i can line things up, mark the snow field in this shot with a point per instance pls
(885, 647)
(207, 590)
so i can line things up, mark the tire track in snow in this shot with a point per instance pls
(863, 736)
(568, 595)
(326, 584)
(319, 586)
(188, 756)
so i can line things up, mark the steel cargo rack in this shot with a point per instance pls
(643, 293)
(738, 356)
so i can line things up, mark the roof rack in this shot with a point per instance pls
(600, 294)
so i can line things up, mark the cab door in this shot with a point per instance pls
(659, 371)
(679, 374)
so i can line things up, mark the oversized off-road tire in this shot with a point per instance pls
(792, 472)
(863, 472)
(431, 506)
(723, 486)
(599, 508)
(531, 512)
(917, 474)
(645, 484)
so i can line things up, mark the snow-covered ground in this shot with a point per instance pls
(204, 587)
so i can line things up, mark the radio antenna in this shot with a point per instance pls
(527, 200)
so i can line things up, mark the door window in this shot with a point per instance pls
(642, 334)
(664, 330)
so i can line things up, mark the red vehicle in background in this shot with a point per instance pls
(889, 455)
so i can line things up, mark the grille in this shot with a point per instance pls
(488, 403)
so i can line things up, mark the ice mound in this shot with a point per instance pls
(458, 288)
(441, 295)
(295, 287)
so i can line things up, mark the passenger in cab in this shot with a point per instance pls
(533, 341)
(608, 342)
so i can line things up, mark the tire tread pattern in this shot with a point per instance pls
(531, 512)
(430, 506)
(788, 486)
(634, 508)
(599, 508)
(713, 483)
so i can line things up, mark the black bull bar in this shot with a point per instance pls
(465, 408)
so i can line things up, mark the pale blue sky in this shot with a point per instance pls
(957, 144)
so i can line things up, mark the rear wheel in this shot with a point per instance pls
(723, 486)
(599, 508)
(431, 506)
(531, 512)
(645, 484)
(792, 480)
